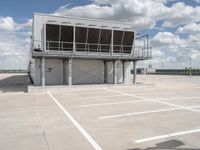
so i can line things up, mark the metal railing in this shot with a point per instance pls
(91, 48)
(143, 53)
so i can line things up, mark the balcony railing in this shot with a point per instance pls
(94, 49)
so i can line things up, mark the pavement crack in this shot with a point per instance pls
(40, 123)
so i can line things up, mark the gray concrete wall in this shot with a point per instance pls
(54, 71)
(83, 72)
(87, 72)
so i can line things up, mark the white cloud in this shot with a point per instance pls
(7, 23)
(158, 53)
(167, 24)
(141, 13)
(14, 44)
(192, 28)
(180, 13)
(138, 12)
(26, 25)
(167, 39)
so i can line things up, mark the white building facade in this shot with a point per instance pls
(70, 50)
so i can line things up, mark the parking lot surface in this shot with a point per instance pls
(158, 113)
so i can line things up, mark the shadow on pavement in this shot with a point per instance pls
(14, 83)
(167, 145)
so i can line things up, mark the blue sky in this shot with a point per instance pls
(173, 25)
(12, 7)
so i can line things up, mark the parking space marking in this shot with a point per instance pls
(154, 100)
(145, 112)
(76, 124)
(167, 136)
(177, 98)
(113, 103)
(100, 96)
(152, 94)
(88, 92)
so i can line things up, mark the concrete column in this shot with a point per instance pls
(123, 71)
(134, 72)
(43, 71)
(105, 71)
(114, 72)
(64, 71)
(70, 71)
(127, 72)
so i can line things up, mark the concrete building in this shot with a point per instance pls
(71, 50)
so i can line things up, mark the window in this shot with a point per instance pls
(81, 34)
(93, 39)
(117, 41)
(127, 42)
(52, 37)
(66, 39)
(105, 40)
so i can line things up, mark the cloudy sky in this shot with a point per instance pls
(173, 26)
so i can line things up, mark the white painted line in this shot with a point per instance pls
(167, 136)
(177, 98)
(152, 94)
(87, 92)
(76, 124)
(145, 112)
(113, 103)
(100, 96)
(154, 100)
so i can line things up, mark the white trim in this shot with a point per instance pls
(76, 124)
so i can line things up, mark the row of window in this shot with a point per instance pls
(60, 37)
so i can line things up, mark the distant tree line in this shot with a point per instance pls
(13, 71)
(186, 71)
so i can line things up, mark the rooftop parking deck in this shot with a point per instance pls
(159, 112)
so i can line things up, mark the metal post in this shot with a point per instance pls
(114, 72)
(59, 43)
(44, 40)
(86, 44)
(43, 71)
(112, 41)
(190, 66)
(105, 71)
(70, 71)
(134, 72)
(74, 39)
(121, 45)
(123, 71)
